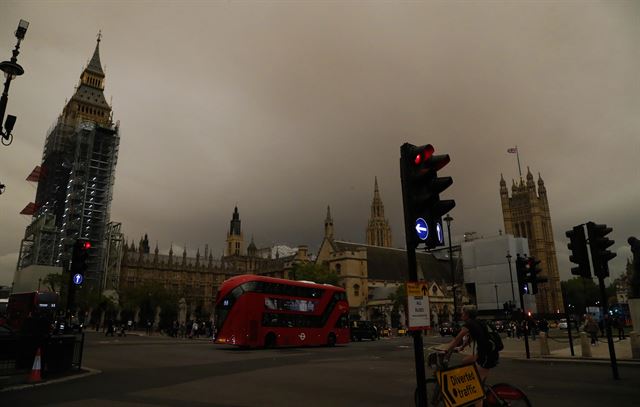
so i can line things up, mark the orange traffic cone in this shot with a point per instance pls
(34, 376)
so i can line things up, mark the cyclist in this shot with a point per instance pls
(481, 354)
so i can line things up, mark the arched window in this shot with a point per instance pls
(338, 268)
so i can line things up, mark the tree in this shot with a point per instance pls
(54, 281)
(57, 282)
(584, 292)
(399, 300)
(314, 272)
(148, 297)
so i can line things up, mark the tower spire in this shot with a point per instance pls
(328, 224)
(235, 240)
(88, 103)
(94, 64)
(378, 230)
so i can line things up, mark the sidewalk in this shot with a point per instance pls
(560, 350)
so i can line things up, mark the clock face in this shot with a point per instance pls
(87, 126)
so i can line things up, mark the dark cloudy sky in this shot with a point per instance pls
(284, 108)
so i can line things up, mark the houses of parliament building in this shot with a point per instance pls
(197, 279)
(369, 272)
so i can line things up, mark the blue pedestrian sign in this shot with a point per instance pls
(422, 229)
(77, 279)
(440, 233)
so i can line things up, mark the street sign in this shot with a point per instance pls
(440, 233)
(418, 305)
(460, 385)
(77, 279)
(422, 229)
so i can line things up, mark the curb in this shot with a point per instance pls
(578, 361)
(89, 372)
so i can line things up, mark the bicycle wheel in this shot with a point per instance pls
(434, 395)
(504, 394)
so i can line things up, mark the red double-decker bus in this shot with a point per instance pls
(256, 311)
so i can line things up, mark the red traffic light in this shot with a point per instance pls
(86, 245)
(424, 155)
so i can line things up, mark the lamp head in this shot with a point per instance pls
(9, 123)
(22, 29)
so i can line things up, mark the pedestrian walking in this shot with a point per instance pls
(620, 325)
(194, 329)
(591, 327)
(110, 328)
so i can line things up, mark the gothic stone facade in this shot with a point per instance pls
(526, 214)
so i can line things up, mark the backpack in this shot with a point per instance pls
(493, 338)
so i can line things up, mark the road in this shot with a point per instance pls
(159, 371)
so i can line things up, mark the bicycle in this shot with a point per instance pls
(499, 394)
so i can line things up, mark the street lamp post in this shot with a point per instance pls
(497, 303)
(513, 295)
(11, 69)
(448, 219)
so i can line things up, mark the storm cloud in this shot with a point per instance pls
(284, 108)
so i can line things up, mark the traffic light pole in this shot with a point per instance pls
(600, 257)
(524, 316)
(568, 315)
(521, 279)
(423, 211)
(418, 345)
(612, 350)
(71, 290)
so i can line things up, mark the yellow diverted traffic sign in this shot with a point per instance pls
(460, 385)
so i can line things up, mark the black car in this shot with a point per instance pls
(363, 330)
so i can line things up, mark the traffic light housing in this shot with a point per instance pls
(533, 271)
(80, 257)
(421, 188)
(578, 246)
(599, 242)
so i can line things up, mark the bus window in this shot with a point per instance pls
(343, 321)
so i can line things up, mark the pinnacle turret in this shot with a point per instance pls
(328, 224)
(530, 183)
(541, 188)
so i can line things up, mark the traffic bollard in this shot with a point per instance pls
(585, 343)
(544, 345)
(635, 344)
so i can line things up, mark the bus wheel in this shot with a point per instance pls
(331, 341)
(270, 340)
